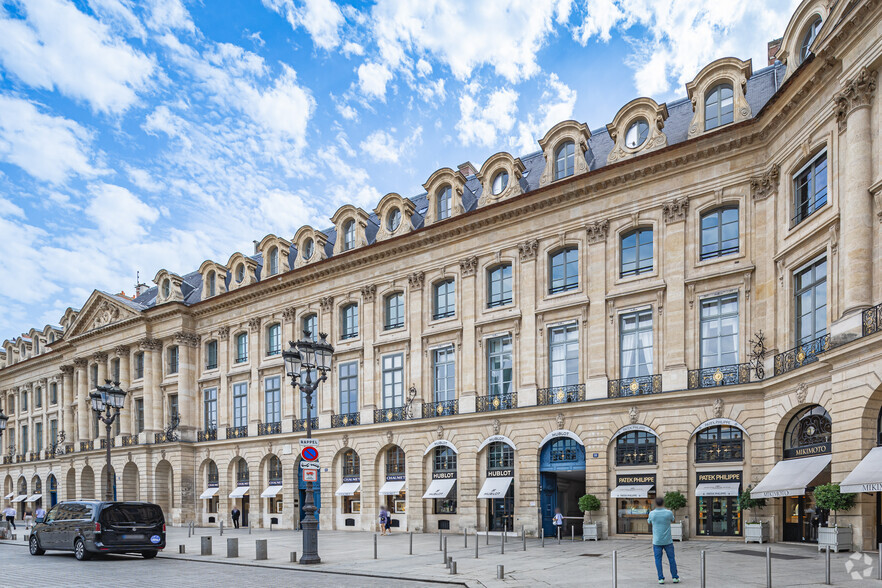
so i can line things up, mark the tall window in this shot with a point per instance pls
(211, 355)
(348, 387)
(810, 188)
(636, 252)
(565, 160)
(636, 344)
(38, 397)
(393, 381)
(173, 407)
(93, 375)
(719, 107)
(209, 408)
(310, 323)
(444, 462)
(139, 415)
(241, 347)
(444, 374)
(24, 439)
(114, 369)
(349, 323)
(240, 404)
(445, 200)
(810, 34)
(719, 232)
(24, 401)
(500, 456)
(53, 393)
(273, 399)
(139, 365)
(499, 285)
(719, 331)
(349, 235)
(53, 431)
(444, 303)
(564, 270)
(499, 365)
(563, 355)
(274, 261)
(211, 283)
(38, 437)
(274, 339)
(394, 309)
(395, 461)
(172, 359)
(811, 301)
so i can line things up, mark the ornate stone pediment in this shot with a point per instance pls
(99, 311)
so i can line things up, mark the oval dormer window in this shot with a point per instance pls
(308, 249)
(637, 134)
(166, 288)
(394, 220)
(500, 183)
(810, 34)
(240, 273)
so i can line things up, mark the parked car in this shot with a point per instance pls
(87, 527)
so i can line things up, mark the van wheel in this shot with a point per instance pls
(35, 547)
(148, 554)
(80, 550)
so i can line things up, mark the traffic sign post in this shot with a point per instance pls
(309, 453)
(313, 442)
(310, 475)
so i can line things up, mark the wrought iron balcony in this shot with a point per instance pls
(129, 440)
(67, 449)
(34, 456)
(497, 402)
(395, 325)
(872, 320)
(237, 432)
(440, 408)
(87, 445)
(166, 437)
(350, 419)
(635, 386)
(207, 435)
(631, 454)
(443, 314)
(710, 451)
(725, 375)
(561, 394)
(269, 428)
(498, 302)
(801, 355)
(20, 458)
(348, 335)
(388, 415)
(104, 443)
(300, 424)
(7, 459)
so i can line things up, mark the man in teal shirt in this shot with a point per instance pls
(660, 519)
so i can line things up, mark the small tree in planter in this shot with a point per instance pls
(753, 530)
(829, 497)
(675, 500)
(588, 504)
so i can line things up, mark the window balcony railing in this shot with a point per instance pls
(211, 366)
(7, 459)
(237, 432)
(561, 394)
(629, 454)
(635, 386)
(300, 424)
(395, 325)
(443, 314)
(497, 402)
(710, 451)
(34, 456)
(269, 428)
(349, 335)
(104, 443)
(207, 435)
(872, 320)
(129, 440)
(563, 288)
(166, 437)
(20, 458)
(725, 375)
(801, 355)
(389, 415)
(440, 408)
(87, 445)
(498, 302)
(350, 419)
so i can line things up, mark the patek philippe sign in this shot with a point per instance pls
(500, 473)
(443, 475)
(635, 479)
(809, 450)
(717, 477)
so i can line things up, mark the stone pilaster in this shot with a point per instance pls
(671, 319)
(67, 403)
(82, 400)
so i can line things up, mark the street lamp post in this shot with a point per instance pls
(302, 360)
(108, 397)
(3, 419)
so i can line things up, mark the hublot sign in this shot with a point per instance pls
(808, 450)
(635, 480)
(443, 475)
(509, 473)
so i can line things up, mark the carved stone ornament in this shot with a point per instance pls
(528, 250)
(633, 415)
(598, 231)
(856, 93)
(107, 313)
(675, 210)
(368, 293)
(440, 432)
(389, 437)
(254, 325)
(121, 351)
(495, 424)
(223, 333)
(761, 187)
(468, 266)
(67, 369)
(100, 357)
(801, 392)
(416, 280)
(187, 339)
(345, 440)
(560, 420)
(718, 408)
(326, 303)
(289, 313)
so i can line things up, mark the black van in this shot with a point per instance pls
(87, 527)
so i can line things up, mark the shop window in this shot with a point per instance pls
(500, 456)
(808, 433)
(444, 465)
(636, 448)
(722, 443)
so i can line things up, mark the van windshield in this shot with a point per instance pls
(132, 514)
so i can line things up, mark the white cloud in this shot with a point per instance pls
(164, 15)
(322, 19)
(372, 79)
(118, 213)
(58, 47)
(119, 13)
(382, 146)
(482, 123)
(350, 48)
(346, 111)
(556, 103)
(49, 148)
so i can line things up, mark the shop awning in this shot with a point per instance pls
(239, 492)
(391, 488)
(347, 489)
(495, 487)
(209, 493)
(271, 491)
(717, 489)
(635, 491)
(34, 498)
(8, 496)
(790, 477)
(20, 498)
(440, 488)
(867, 476)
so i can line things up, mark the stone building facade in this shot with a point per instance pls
(684, 299)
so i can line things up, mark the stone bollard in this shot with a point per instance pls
(233, 547)
(449, 559)
(222, 527)
(465, 538)
(206, 546)
(452, 567)
(500, 572)
(182, 549)
(260, 549)
(189, 530)
(293, 557)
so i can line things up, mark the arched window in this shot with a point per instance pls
(565, 160)
(564, 449)
(394, 461)
(52, 337)
(351, 464)
(810, 428)
(36, 345)
(810, 34)
(637, 134)
(166, 288)
(637, 252)
(274, 471)
(719, 107)
(394, 310)
(273, 261)
(212, 475)
(349, 322)
(636, 448)
(444, 299)
(563, 270)
(242, 476)
(53, 393)
(720, 443)
(445, 201)
(274, 339)
(500, 182)
(309, 324)
(349, 235)
(499, 291)
(719, 232)
(211, 283)
(444, 460)
(500, 456)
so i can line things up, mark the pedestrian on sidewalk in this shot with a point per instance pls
(660, 519)
(41, 513)
(558, 522)
(9, 513)
(235, 514)
(28, 517)
(385, 521)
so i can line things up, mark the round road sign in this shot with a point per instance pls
(309, 453)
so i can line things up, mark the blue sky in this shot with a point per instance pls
(149, 134)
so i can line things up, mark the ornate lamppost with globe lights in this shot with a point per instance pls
(107, 398)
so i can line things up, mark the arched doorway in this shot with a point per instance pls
(498, 486)
(21, 495)
(272, 493)
(211, 486)
(562, 480)
(718, 443)
(442, 467)
(392, 493)
(635, 453)
(130, 482)
(164, 488)
(242, 483)
(350, 483)
(87, 484)
(71, 489)
(809, 433)
(52, 483)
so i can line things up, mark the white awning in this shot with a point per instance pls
(391, 488)
(440, 488)
(209, 493)
(239, 492)
(347, 489)
(495, 487)
(635, 491)
(20, 498)
(867, 476)
(34, 498)
(8, 496)
(717, 489)
(790, 477)
(270, 491)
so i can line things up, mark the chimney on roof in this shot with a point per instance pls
(256, 243)
(774, 47)
(467, 169)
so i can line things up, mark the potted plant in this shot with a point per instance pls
(830, 498)
(754, 530)
(590, 530)
(675, 500)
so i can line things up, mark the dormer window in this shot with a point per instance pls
(500, 183)
(637, 134)
(273, 261)
(166, 288)
(51, 337)
(240, 273)
(719, 107)
(393, 221)
(565, 160)
(810, 34)
(36, 346)
(308, 249)
(445, 198)
(349, 235)
(211, 284)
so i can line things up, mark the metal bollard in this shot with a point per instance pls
(488, 536)
(447, 563)
(410, 551)
(233, 547)
(615, 572)
(504, 533)
(701, 571)
(375, 546)
(572, 533)
(827, 566)
(206, 546)
(558, 534)
(476, 544)
(189, 530)
(500, 572)
(249, 527)
(524, 539)
(502, 543)
(260, 549)
(542, 535)
(445, 551)
(453, 567)
(222, 528)
(440, 539)
(293, 557)
(768, 567)
(465, 538)
(182, 549)
(879, 577)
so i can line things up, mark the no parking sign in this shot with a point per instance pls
(309, 453)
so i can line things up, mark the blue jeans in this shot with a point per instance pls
(669, 550)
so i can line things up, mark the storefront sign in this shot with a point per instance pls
(443, 475)
(351, 479)
(629, 428)
(718, 423)
(440, 443)
(561, 433)
(500, 473)
(497, 438)
(394, 477)
(809, 450)
(635, 479)
(717, 477)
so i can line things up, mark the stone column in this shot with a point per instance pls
(527, 295)
(150, 381)
(84, 411)
(125, 416)
(290, 332)
(595, 280)
(852, 108)
(67, 404)
(223, 391)
(101, 359)
(159, 422)
(368, 330)
(187, 394)
(469, 355)
(255, 386)
(670, 319)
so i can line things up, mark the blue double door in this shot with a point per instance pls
(561, 483)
